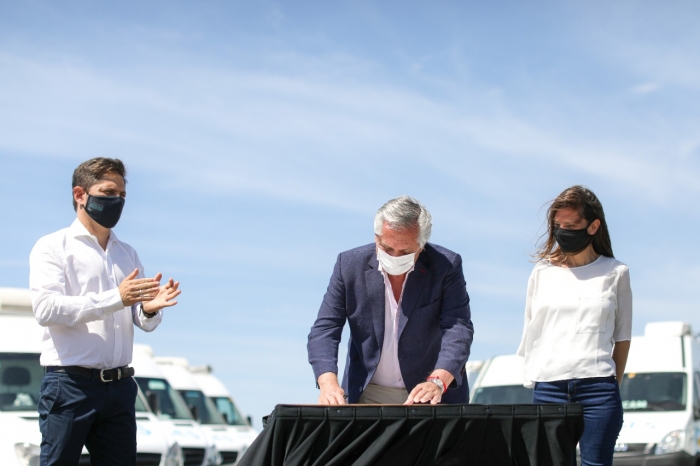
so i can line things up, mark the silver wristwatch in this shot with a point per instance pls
(437, 381)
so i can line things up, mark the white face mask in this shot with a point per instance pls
(395, 265)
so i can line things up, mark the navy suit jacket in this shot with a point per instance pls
(435, 328)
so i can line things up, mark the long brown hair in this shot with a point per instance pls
(586, 203)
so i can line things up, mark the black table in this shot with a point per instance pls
(418, 435)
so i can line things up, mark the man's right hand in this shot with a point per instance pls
(138, 290)
(331, 392)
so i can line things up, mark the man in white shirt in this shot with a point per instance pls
(88, 291)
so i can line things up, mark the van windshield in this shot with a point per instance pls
(229, 411)
(502, 395)
(658, 391)
(140, 405)
(20, 381)
(170, 404)
(206, 411)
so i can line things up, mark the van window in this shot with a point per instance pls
(503, 395)
(229, 411)
(140, 405)
(657, 391)
(20, 381)
(170, 402)
(205, 408)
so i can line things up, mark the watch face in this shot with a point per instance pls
(437, 381)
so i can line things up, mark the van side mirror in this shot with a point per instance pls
(153, 402)
(225, 416)
(250, 420)
(194, 411)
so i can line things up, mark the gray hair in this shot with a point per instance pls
(405, 212)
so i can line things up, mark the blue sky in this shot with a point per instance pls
(261, 137)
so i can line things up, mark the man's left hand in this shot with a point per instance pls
(164, 298)
(425, 392)
(428, 391)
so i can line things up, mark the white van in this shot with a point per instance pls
(217, 392)
(20, 381)
(500, 381)
(197, 447)
(229, 444)
(473, 368)
(660, 398)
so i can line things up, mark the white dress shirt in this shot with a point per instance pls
(74, 289)
(573, 317)
(388, 372)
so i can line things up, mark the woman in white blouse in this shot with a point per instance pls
(578, 320)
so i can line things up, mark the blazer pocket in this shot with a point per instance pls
(592, 314)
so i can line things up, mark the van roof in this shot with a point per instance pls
(655, 354)
(506, 369)
(177, 361)
(211, 385)
(179, 377)
(143, 363)
(667, 329)
(20, 334)
(15, 301)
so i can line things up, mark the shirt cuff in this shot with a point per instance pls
(111, 302)
(149, 323)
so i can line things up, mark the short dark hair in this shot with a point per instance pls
(586, 203)
(91, 171)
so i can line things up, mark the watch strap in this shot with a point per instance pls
(149, 315)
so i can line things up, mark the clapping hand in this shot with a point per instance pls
(138, 290)
(164, 297)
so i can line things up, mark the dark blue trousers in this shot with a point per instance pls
(76, 411)
(602, 413)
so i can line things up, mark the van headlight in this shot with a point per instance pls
(213, 457)
(672, 443)
(174, 456)
(28, 454)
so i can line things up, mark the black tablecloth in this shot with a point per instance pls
(418, 435)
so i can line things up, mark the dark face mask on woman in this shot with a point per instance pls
(572, 241)
(105, 210)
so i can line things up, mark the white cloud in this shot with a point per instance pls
(302, 123)
(645, 88)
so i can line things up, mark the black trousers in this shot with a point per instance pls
(76, 411)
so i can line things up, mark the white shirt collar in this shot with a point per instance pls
(77, 229)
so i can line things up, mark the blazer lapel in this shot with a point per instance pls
(375, 295)
(412, 290)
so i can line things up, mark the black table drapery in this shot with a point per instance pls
(418, 435)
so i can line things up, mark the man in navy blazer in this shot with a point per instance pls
(407, 307)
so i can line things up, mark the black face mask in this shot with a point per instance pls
(572, 241)
(105, 210)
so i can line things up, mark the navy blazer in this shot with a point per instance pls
(435, 328)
